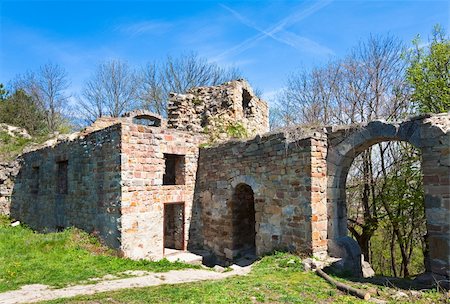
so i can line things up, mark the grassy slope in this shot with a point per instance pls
(59, 259)
(275, 279)
(70, 257)
(10, 146)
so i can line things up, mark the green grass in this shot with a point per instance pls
(72, 257)
(278, 278)
(59, 259)
(275, 279)
(11, 146)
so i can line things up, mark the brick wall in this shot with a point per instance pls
(143, 192)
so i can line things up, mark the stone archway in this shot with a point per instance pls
(430, 134)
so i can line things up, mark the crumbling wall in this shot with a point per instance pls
(8, 172)
(91, 196)
(143, 192)
(128, 117)
(221, 110)
(288, 178)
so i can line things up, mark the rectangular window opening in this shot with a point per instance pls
(174, 169)
(62, 177)
(34, 187)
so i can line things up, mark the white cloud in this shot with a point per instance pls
(278, 32)
(302, 43)
(144, 27)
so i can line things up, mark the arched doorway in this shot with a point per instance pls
(385, 208)
(243, 221)
(425, 134)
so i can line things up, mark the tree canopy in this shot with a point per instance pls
(18, 109)
(429, 73)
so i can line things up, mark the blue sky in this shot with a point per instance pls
(266, 40)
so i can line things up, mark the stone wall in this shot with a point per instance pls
(216, 108)
(8, 172)
(143, 192)
(288, 179)
(91, 200)
(436, 181)
(430, 134)
(128, 117)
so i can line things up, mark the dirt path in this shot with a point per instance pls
(36, 292)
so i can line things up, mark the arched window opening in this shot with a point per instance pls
(385, 208)
(147, 120)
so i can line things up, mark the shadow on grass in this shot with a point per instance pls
(425, 281)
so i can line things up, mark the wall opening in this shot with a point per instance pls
(385, 208)
(246, 98)
(62, 178)
(147, 120)
(243, 220)
(174, 169)
(34, 186)
(174, 226)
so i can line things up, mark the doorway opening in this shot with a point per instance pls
(243, 221)
(174, 226)
(385, 208)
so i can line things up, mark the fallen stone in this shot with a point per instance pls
(367, 270)
(218, 268)
(399, 295)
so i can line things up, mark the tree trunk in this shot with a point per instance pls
(393, 266)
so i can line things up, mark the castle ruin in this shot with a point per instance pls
(146, 185)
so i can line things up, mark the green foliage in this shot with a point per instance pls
(403, 200)
(236, 130)
(19, 110)
(11, 146)
(220, 129)
(3, 92)
(205, 145)
(58, 259)
(65, 127)
(393, 192)
(402, 224)
(196, 101)
(429, 73)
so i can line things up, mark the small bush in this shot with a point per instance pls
(236, 130)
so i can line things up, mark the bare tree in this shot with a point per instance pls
(47, 87)
(110, 91)
(178, 74)
(368, 84)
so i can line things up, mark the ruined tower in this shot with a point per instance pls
(232, 106)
